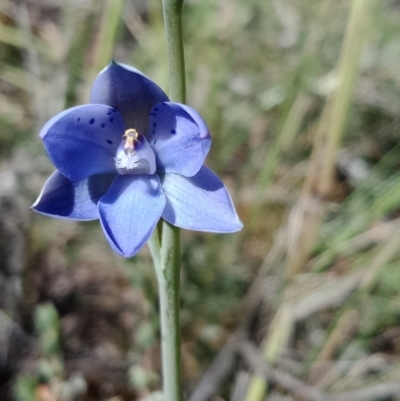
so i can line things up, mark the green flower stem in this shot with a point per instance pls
(165, 241)
(168, 286)
(165, 249)
(172, 10)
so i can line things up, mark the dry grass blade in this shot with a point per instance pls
(347, 320)
(328, 138)
(251, 355)
(329, 295)
(216, 374)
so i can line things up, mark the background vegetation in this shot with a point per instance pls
(303, 101)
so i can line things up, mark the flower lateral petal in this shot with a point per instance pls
(64, 199)
(179, 137)
(130, 210)
(129, 91)
(83, 140)
(199, 203)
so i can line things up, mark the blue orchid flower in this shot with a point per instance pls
(129, 158)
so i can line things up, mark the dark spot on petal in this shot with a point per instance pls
(109, 141)
(155, 140)
(92, 120)
(109, 113)
(103, 125)
(114, 110)
(79, 119)
(164, 104)
(154, 125)
(155, 109)
(173, 131)
(111, 120)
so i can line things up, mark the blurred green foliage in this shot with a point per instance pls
(263, 74)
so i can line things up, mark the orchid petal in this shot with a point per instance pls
(129, 91)
(82, 141)
(199, 203)
(64, 199)
(130, 210)
(179, 137)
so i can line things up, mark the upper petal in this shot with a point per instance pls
(64, 199)
(82, 141)
(179, 137)
(129, 91)
(130, 210)
(199, 203)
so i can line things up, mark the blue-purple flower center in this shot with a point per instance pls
(134, 154)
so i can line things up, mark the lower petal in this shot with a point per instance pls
(199, 203)
(64, 199)
(130, 210)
